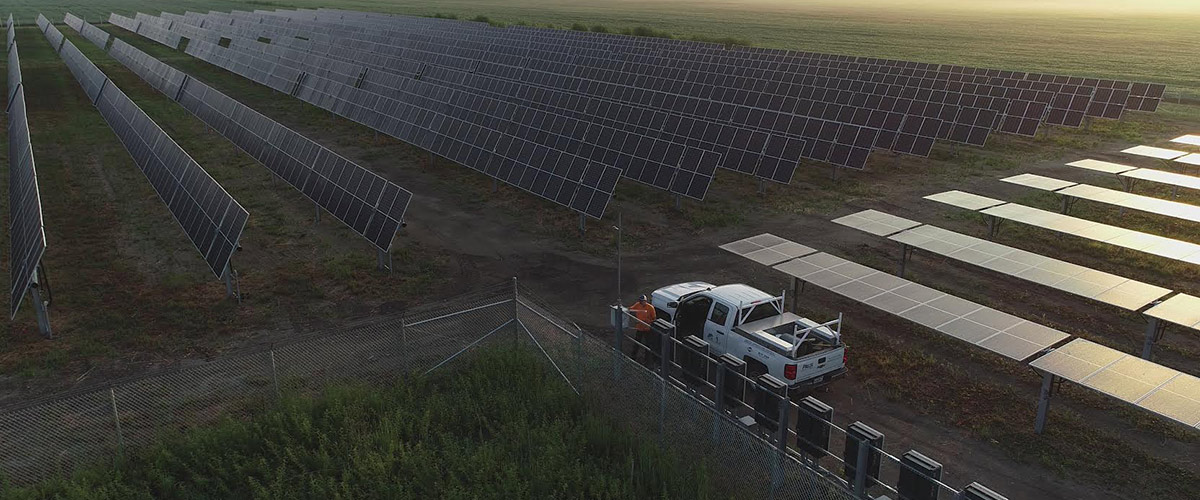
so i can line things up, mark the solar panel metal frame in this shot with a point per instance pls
(1147, 385)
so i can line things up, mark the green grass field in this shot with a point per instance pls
(1155, 44)
(496, 426)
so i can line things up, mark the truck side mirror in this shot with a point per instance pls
(673, 304)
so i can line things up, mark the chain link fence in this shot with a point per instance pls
(94, 425)
(57, 435)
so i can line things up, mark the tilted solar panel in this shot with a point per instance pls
(74, 22)
(27, 236)
(1139, 382)
(371, 205)
(210, 217)
(566, 179)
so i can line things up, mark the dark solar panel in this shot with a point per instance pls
(210, 217)
(26, 234)
(369, 204)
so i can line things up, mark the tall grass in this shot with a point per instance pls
(498, 427)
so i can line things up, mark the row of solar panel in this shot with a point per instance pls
(636, 83)
(565, 179)
(748, 160)
(979, 134)
(27, 237)
(760, 57)
(611, 124)
(368, 203)
(836, 144)
(210, 217)
(690, 180)
(1102, 88)
(149, 27)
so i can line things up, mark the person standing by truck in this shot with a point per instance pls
(643, 310)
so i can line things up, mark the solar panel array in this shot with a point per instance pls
(1144, 384)
(52, 34)
(502, 148)
(1189, 139)
(1150, 386)
(128, 24)
(27, 236)
(985, 327)
(1181, 309)
(74, 22)
(210, 217)
(826, 138)
(1182, 251)
(1111, 289)
(1153, 152)
(1163, 177)
(97, 36)
(1016, 101)
(371, 205)
(1115, 197)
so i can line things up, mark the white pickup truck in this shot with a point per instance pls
(751, 325)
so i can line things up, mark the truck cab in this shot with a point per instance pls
(752, 325)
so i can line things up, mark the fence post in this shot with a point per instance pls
(579, 356)
(665, 373)
(516, 310)
(785, 410)
(719, 402)
(117, 419)
(275, 375)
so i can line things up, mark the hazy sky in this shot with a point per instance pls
(1148, 7)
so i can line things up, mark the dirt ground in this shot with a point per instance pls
(925, 392)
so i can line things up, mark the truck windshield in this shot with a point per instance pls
(761, 311)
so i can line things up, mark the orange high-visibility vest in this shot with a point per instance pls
(645, 312)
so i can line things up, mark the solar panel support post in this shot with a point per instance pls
(1044, 402)
(762, 186)
(906, 252)
(719, 401)
(39, 307)
(383, 260)
(1155, 329)
(317, 218)
(797, 287)
(230, 292)
(583, 224)
(678, 202)
(834, 175)
(993, 225)
(1068, 201)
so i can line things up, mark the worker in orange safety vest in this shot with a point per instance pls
(644, 312)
